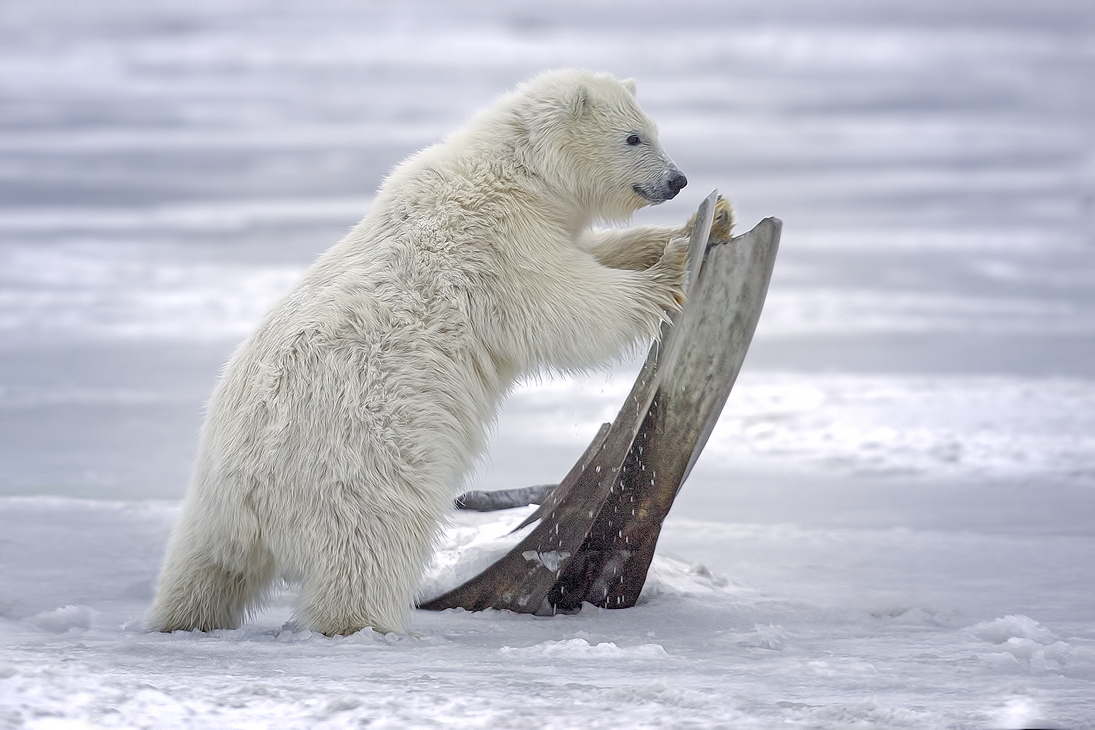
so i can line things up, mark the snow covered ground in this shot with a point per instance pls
(893, 525)
(742, 625)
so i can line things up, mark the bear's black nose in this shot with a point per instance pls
(677, 181)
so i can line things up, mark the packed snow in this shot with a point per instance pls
(739, 625)
(893, 524)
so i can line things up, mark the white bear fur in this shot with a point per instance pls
(341, 430)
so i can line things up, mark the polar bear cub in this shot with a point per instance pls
(341, 430)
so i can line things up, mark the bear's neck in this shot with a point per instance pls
(511, 168)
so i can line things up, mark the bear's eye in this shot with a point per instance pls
(633, 139)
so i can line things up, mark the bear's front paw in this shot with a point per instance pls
(669, 273)
(723, 222)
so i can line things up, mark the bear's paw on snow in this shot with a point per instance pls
(343, 427)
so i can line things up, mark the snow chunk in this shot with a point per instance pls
(582, 649)
(62, 619)
(670, 577)
(1018, 626)
(763, 636)
(1026, 644)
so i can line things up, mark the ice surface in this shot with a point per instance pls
(968, 426)
(763, 625)
(892, 525)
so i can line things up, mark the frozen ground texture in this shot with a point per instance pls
(893, 524)
(741, 626)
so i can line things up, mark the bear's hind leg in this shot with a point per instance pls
(346, 599)
(366, 573)
(197, 593)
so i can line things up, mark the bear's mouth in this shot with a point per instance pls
(646, 196)
(663, 192)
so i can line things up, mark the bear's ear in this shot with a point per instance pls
(629, 84)
(578, 101)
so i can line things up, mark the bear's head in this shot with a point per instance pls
(592, 143)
